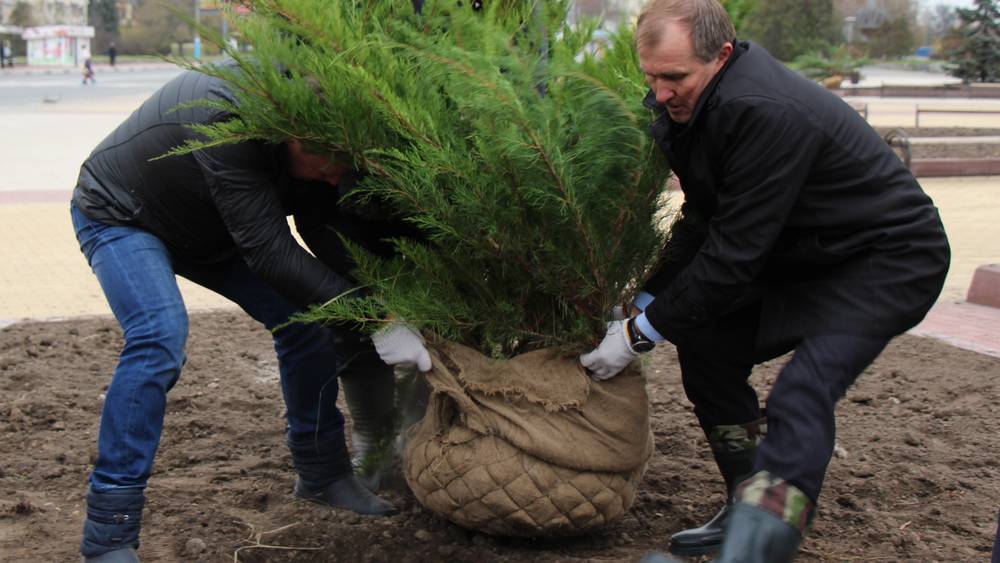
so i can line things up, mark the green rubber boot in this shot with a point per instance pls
(767, 521)
(412, 394)
(734, 448)
(757, 536)
(370, 392)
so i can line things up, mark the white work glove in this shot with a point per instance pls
(612, 355)
(398, 343)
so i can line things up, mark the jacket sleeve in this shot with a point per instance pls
(766, 153)
(242, 187)
(687, 234)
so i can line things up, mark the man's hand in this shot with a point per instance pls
(398, 343)
(612, 355)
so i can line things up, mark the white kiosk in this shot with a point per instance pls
(58, 45)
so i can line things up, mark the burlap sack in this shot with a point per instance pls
(528, 447)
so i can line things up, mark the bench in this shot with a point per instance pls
(901, 141)
(984, 111)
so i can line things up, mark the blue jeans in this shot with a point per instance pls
(137, 274)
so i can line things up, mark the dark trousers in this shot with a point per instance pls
(801, 429)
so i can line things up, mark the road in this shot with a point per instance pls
(50, 123)
(35, 90)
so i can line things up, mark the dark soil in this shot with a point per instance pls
(915, 478)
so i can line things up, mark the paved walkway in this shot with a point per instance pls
(44, 276)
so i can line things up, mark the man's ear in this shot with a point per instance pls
(725, 52)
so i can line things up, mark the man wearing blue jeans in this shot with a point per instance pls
(218, 218)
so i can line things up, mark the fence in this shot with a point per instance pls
(983, 111)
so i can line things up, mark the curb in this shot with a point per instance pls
(953, 167)
(98, 69)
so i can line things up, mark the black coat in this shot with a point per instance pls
(216, 203)
(794, 201)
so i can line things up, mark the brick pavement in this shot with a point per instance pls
(46, 277)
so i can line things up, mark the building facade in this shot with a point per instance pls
(48, 12)
(612, 12)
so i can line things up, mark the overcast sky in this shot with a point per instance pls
(932, 3)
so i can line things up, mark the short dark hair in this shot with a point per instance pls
(710, 24)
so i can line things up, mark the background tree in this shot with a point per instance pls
(894, 38)
(943, 20)
(739, 11)
(103, 16)
(158, 28)
(977, 59)
(22, 15)
(529, 171)
(788, 28)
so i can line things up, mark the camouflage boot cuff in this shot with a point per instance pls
(779, 497)
(727, 438)
(734, 447)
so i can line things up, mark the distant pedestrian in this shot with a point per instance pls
(88, 72)
(3, 54)
(112, 53)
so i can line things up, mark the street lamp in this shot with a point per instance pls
(849, 28)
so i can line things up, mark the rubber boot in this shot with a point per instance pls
(111, 530)
(734, 448)
(755, 535)
(325, 476)
(413, 394)
(767, 521)
(369, 390)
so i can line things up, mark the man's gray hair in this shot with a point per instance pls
(710, 24)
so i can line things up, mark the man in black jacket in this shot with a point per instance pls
(218, 218)
(800, 231)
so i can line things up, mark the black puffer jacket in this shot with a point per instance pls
(215, 203)
(799, 200)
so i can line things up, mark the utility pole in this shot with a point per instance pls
(197, 36)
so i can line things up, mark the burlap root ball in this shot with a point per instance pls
(528, 447)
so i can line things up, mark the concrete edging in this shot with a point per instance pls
(943, 167)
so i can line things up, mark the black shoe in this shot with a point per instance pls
(702, 540)
(127, 555)
(755, 535)
(347, 493)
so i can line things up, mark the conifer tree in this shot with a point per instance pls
(525, 161)
(977, 59)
